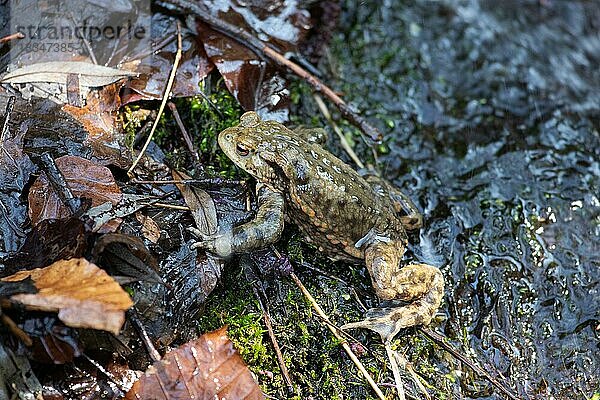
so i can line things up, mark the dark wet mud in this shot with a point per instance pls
(491, 114)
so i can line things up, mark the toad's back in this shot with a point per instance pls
(333, 205)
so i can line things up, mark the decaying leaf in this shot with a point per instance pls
(84, 179)
(100, 119)
(150, 228)
(84, 295)
(200, 203)
(52, 341)
(7, 289)
(206, 368)
(62, 81)
(16, 168)
(154, 68)
(193, 276)
(255, 84)
(129, 204)
(90, 75)
(16, 372)
(49, 241)
(122, 254)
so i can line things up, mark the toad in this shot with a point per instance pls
(345, 215)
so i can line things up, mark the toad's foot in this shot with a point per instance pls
(260, 232)
(218, 244)
(389, 321)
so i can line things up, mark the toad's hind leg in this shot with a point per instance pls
(421, 285)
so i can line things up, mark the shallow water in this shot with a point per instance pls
(491, 116)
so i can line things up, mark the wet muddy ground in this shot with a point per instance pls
(491, 115)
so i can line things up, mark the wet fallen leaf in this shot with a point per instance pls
(16, 168)
(62, 81)
(84, 178)
(83, 380)
(154, 69)
(49, 128)
(193, 277)
(53, 342)
(129, 204)
(7, 289)
(150, 228)
(206, 368)
(255, 84)
(200, 203)
(126, 255)
(16, 373)
(84, 295)
(100, 120)
(49, 241)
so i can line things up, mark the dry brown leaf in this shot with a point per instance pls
(206, 368)
(90, 75)
(84, 295)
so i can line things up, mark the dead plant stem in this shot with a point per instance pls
(343, 342)
(165, 98)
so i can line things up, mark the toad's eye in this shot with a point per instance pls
(242, 150)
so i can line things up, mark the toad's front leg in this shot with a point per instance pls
(263, 230)
(421, 285)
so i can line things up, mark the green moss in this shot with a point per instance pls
(204, 119)
(133, 118)
(316, 362)
(237, 308)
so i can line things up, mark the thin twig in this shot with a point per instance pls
(154, 49)
(416, 378)
(263, 49)
(152, 352)
(166, 95)
(267, 318)
(58, 182)
(8, 38)
(358, 121)
(186, 136)
(399, 361)
(166, 205)
(343, 342)
(330, 276)
(15, 330)
(83, 38)
(106, 373)
(344, 142)
(438, 339)
(395, 371)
